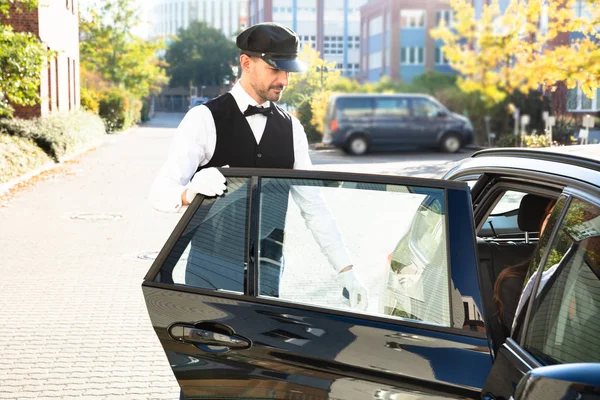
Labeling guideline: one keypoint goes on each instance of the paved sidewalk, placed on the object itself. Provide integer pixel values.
(74, 322)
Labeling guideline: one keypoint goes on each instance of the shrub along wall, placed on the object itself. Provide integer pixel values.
(28, 144)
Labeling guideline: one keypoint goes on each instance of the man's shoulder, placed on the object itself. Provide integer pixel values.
(286, 113)
(219, 100)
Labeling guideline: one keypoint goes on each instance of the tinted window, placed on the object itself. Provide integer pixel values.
(424, 108)
(211, 252)
(395, 236)
(565, 325)
(391, 107)
(357, 106)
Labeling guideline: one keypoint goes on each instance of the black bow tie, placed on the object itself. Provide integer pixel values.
(251, 110)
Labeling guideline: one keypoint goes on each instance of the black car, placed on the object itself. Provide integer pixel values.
(358, 123)
(246, 304)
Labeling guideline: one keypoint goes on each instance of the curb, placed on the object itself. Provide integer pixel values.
(5, 187)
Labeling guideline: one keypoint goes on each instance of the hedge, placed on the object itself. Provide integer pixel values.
(57, 135)
(119, 109)
(18, 156)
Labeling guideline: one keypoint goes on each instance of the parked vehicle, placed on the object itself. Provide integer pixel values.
(198, 101)
(358, 123)
(430, 252)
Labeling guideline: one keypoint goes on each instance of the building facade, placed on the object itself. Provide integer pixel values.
(59, 81)
(166, 17)
(396, 38)
(331, 27)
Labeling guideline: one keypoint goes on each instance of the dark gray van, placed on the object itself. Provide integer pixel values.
(358, 123)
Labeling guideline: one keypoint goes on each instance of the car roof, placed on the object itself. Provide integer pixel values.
(577, 166)
(350, 95)
(587, 156)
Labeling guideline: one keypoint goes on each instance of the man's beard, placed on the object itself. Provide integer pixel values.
(267, 94)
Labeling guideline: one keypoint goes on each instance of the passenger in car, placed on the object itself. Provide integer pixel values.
(509, 284)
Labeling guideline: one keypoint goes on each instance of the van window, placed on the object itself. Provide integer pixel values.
(424, 108)
(352, 107)
(391, 106)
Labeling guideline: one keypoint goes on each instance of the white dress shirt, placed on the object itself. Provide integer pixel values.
(194, 145)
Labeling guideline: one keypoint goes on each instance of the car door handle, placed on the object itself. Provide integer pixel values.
(203, 336)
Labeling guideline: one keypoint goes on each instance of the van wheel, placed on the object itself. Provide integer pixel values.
(450, 143)
(357, 145)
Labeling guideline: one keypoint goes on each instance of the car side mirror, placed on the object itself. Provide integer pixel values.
(442, 113)
(566, 381)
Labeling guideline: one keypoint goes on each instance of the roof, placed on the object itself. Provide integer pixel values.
(587, 156)
(576, 166)
(380, 95)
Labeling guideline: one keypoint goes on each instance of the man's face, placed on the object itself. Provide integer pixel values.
(268, 82)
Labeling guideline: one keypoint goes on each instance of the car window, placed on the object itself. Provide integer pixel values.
(395, 237)
(391, 107)
(503, 220)
(352, 107)
(510, 201)
(565, 324)
(211, 252)
(424, 108)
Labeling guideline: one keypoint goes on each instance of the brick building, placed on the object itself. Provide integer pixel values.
(56, 24)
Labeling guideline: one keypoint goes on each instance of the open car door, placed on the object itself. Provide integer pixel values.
(247, 301)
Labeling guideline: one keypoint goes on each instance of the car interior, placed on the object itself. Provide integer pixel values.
(507, 237)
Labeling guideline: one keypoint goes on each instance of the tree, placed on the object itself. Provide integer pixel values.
(320, 76)
(22, 57)
(200, 55)
(110, 50)
(518, 50)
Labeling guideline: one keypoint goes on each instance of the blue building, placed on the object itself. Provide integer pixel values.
(331, 27)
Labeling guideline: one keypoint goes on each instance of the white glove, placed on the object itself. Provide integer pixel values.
(209, 182)
(359, 295)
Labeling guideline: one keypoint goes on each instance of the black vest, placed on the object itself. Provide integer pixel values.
(236, 145)
(217, 256)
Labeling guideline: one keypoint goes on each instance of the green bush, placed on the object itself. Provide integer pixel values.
(59, 134)
(145, 114)
(18, 156)
(119, 109)
(114, 109)
(564, 130)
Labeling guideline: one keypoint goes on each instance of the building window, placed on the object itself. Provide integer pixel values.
(578, 101)
(375, 60)
(412, 55)
(444, 15)
(375, 26)
(440, 58)
(581, 9)
(412, 19)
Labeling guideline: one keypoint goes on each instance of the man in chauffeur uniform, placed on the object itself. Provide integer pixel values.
(244, 128)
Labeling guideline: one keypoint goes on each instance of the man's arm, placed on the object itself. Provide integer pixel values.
(323, 226)
(192, 145)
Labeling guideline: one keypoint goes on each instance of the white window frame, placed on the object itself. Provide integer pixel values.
(411, 16)
(415, 50)
(442, 58)
(580, 95)
(442, 17)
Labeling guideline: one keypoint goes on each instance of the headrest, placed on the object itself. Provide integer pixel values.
(532, 212)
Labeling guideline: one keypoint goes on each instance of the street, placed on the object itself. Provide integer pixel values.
(75, 250)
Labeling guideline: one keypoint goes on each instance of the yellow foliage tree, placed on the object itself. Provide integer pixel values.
(499, 53)
(319, 76)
